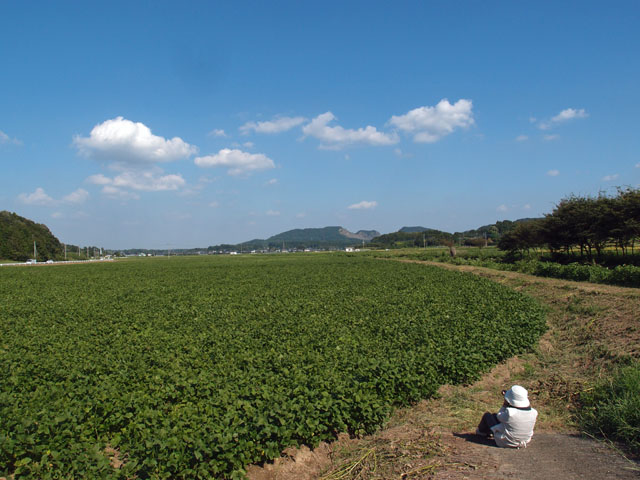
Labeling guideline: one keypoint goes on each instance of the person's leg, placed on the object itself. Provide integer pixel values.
(488, 420)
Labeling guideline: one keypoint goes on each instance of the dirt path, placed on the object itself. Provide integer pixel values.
(589, 327)
(549, 456)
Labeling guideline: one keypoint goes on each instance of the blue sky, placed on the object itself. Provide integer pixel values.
(184, 124)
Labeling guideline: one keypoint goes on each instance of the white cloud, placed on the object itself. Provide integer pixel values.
(610, 178)
(247, 144)
(4, 139)
(239, 162)
(564, 116)
(38, 197)
(214, 204)
(124, 142)
(217, 132)
(273, 181)
(550, 138)
(148, 181)
(364, 205)
(533, 119)
(638, 165)
(553, 173)
(190, 190)
(98, 179)
(400, 154)
(522, 138)
(77, 197)
(569, 114)
(277, 125)
(430, 124)
(502, 208)
(526, 207)
(57, 215)
(272, 213)
(301, 215)
(114, 192)
(338, 137)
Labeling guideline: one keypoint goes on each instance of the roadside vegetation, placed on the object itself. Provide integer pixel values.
(541, 265)
(612, 408)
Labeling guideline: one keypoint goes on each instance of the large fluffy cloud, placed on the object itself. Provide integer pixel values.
(338, 137)
(430, 124)
(125, 142)
(277, 125)
(237, 161)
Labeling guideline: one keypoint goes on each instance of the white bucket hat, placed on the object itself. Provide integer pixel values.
(517, 397)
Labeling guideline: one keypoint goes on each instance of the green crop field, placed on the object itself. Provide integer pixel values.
(196, 367)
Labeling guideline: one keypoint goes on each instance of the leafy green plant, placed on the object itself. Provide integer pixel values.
(197, 367)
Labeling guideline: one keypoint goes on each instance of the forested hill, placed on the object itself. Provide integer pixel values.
(320, 237)
(17, 235)
(334, 235)
(327, 237)
(421, 236)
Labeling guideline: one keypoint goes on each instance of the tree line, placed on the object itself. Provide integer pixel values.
(409, 237)
(581, 225)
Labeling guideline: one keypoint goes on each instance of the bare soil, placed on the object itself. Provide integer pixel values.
(591, 327)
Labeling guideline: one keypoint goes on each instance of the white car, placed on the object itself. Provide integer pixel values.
(49, 261)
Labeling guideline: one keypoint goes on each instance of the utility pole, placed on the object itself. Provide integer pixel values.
(35, 252)
(65, 252)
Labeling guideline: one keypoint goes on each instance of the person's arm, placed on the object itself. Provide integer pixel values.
(503, 414)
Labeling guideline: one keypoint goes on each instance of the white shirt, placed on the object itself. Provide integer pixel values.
(515, 428)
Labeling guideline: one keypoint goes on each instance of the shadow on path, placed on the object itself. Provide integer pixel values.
(473, 438)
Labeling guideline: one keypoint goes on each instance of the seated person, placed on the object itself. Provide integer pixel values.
(513, 425)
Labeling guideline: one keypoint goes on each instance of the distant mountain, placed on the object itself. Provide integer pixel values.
(417, 229)
(17, 235)
(321, 237)
(327, 237)
(366, 235)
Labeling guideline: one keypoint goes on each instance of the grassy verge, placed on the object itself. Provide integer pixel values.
(612, 408)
